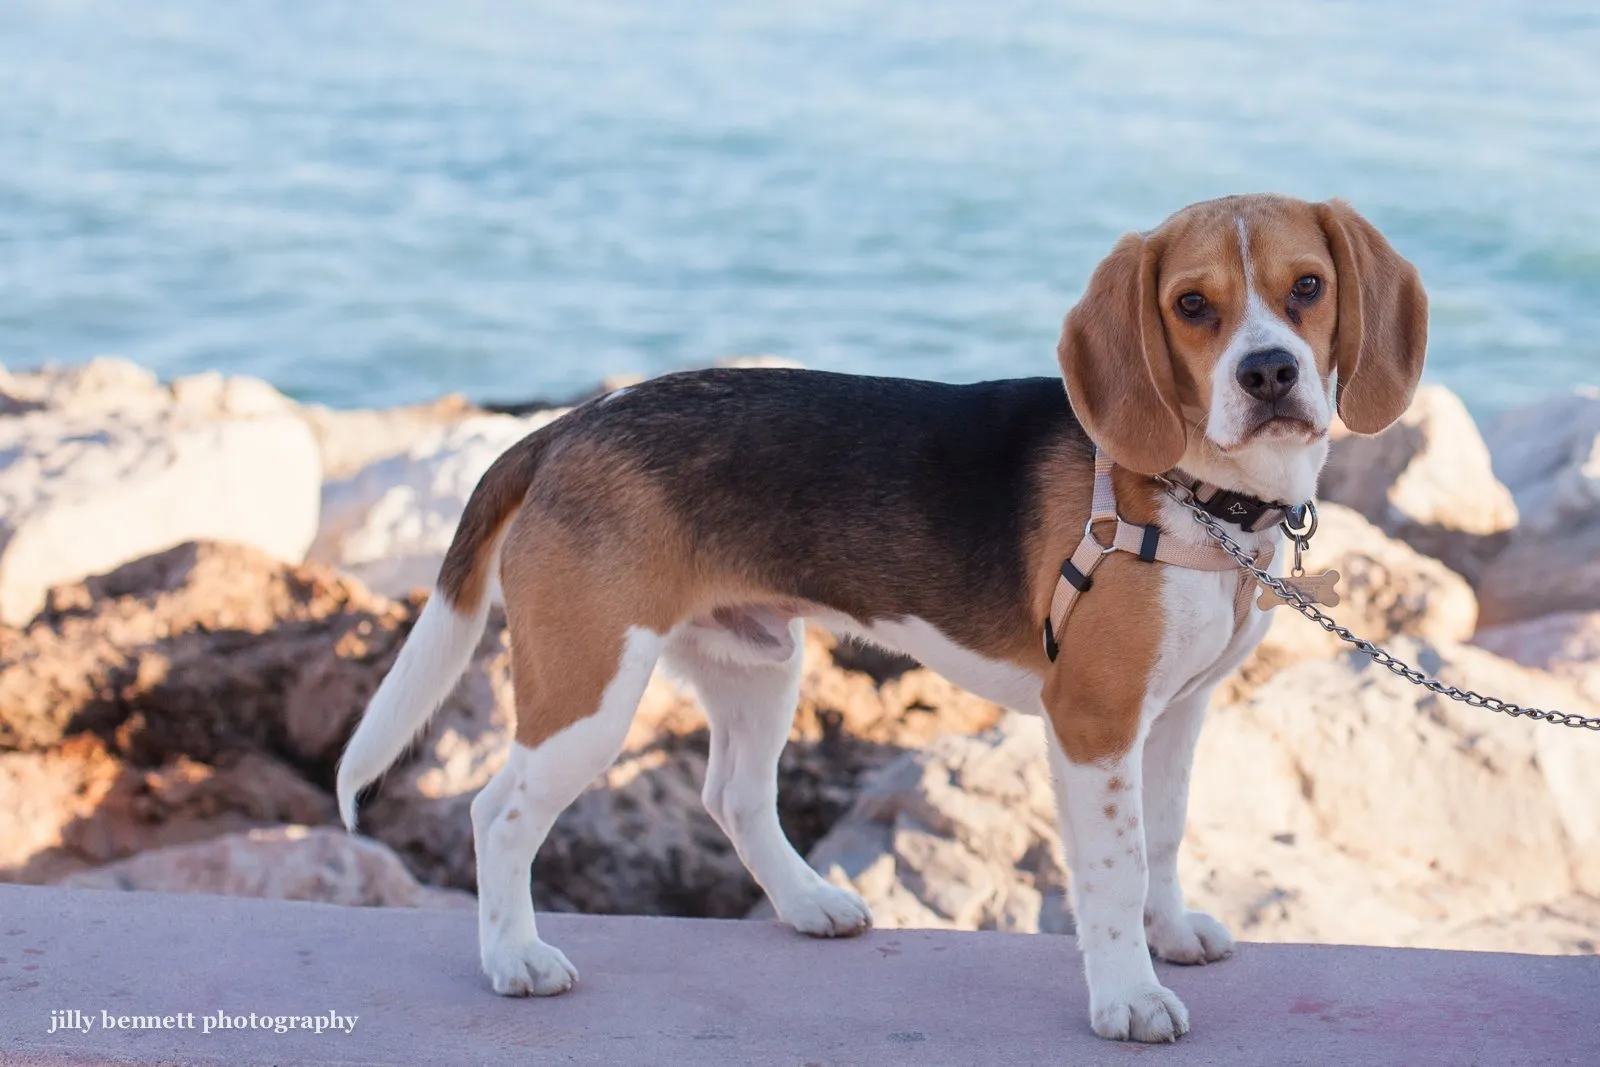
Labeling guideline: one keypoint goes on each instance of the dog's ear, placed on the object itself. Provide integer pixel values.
(1117, 366)
(1382, 333)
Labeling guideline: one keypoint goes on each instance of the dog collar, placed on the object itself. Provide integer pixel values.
(1246, 512)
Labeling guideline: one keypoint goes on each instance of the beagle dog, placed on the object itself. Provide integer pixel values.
(699, 519)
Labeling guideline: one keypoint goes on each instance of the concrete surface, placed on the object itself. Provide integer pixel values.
(687, 992)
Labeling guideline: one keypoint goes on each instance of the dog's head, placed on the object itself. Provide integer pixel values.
(1212, 342)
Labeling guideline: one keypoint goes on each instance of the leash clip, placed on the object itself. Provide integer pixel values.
(1300, 523)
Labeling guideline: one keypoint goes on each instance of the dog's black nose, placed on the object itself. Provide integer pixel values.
(1268, 374)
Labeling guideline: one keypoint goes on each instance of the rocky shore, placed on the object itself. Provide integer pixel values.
(201, 582)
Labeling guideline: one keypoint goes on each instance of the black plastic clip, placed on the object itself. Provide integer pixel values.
(1147, 547)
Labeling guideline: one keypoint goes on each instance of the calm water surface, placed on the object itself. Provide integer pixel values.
(369, 203)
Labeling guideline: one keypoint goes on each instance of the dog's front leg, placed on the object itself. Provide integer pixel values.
(1175, 933)
(1100, 799)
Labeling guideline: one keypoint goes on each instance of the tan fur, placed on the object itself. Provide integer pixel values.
(464, 575)
(1383, 321)
(1094, 692)
(581, 579)
(584, 575)
(1118, 369)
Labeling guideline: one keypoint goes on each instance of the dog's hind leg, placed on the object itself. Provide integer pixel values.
(514, 813)
(750, 705)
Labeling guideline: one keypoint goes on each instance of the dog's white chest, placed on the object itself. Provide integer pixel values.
(1200, 643)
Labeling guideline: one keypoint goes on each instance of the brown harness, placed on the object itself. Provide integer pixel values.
(1149, 544)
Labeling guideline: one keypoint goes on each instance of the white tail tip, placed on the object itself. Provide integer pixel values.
(434, 656)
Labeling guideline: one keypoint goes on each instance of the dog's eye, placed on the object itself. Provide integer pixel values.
(1192, 305)
(1307, 287)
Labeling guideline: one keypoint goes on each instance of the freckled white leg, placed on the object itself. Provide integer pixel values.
(1103, 833)
(1174, 932)
(750, 706)
(514, 813)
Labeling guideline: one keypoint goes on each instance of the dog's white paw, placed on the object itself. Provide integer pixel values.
(1147, 1011)
(1188, 937)
(828, 911)
(529, 969)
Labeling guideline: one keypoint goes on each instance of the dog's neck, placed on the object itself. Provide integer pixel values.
(1251, 514)
(1273, 474)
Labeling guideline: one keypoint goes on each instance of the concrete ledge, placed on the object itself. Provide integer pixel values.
(684, 992)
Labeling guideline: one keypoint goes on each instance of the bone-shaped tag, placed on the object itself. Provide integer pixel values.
(1317, 588)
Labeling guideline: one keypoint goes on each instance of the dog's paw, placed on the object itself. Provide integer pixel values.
(828, 911)
(1189, 937)
(1148, 1011)
(529, 969)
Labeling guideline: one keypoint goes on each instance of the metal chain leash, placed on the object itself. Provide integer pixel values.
(1308, 608)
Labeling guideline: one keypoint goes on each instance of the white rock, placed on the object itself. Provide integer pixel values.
(1543, 573)
(237, 395)
(759, 361)
(1548, 454)
(352, 438)
(1566, 927)
(391, 522)
(1568, 646)
(1565, 644)
(959, 835)
(1427, 480)
(1390, 796)
(102, 384)
(113, 384)
(85, 490)
(281, 863)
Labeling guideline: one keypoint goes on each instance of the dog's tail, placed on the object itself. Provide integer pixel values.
(440, 645)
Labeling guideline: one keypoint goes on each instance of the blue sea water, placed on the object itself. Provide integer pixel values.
(376, 202)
